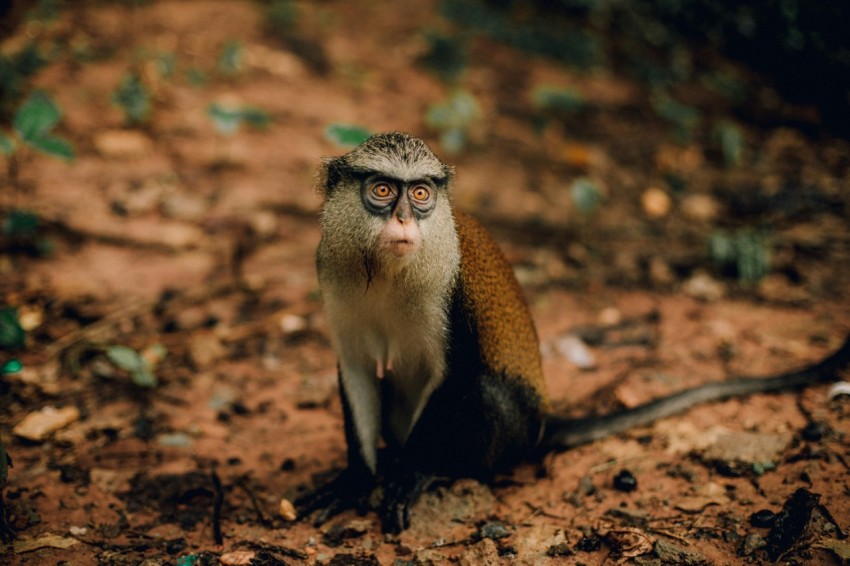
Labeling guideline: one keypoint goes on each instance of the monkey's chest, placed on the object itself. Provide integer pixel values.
(400, 345)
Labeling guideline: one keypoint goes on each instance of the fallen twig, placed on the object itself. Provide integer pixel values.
(218, 502)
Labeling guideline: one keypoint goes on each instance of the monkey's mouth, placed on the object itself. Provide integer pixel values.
(402, 247)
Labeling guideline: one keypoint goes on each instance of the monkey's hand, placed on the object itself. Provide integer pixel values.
(349, 490)
(401, 491)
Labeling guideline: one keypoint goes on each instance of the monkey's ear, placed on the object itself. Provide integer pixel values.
(448, 174)
(327, 175)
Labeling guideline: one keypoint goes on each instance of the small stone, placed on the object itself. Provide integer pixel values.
(609, 316)
(494, 530)
(287, 511)
(316, 391)
(237, 558)
(700, 207)
(123, 144)
(670, 553)
(30, 318)
(175, 440)
(110, 481)
(484, 553)
(575, 350)
(292, 323)
(78, 531)
(205, 348)
(763, 518)
(777, 288)
(185, 207)
(191, 318)
(625, 481)
(752, 543)
(141, 200)
(748, 447)
(704, 287)
(655, 202)
(264, 223)
(814, 431)
(660, 272)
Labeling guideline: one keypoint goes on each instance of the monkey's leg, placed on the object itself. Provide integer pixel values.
(351, 488)
(472, 426)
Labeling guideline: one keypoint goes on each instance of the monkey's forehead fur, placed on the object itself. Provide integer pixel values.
(392, 154)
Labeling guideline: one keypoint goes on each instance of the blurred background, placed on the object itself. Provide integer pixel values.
(158, 216)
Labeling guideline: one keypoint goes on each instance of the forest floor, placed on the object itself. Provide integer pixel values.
(174, 237)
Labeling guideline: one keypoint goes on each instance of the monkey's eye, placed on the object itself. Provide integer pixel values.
(382, 191)
(421, 194)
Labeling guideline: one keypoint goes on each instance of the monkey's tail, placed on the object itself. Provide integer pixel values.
(563, 433)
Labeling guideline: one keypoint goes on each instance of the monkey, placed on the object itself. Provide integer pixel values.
(438, 355)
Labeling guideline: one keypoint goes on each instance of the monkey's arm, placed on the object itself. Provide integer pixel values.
(563, 433)
(352, 487)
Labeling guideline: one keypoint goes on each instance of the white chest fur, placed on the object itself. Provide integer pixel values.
(381, 333)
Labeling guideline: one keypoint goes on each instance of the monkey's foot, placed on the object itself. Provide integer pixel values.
(400, 493)
(349, 490)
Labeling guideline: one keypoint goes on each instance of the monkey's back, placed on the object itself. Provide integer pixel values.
(494, 300)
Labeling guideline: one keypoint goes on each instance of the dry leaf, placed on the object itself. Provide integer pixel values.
(629, 541)
(839, 547)
(23, 545)
(39, 425)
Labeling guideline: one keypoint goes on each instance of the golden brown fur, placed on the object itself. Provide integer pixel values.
(506, 331)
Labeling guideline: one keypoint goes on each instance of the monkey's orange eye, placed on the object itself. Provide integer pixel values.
(421, 193)
(382, 190)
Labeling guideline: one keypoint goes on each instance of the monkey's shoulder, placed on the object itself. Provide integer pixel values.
(494, 305)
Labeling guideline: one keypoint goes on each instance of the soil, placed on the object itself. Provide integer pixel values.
(173, 234)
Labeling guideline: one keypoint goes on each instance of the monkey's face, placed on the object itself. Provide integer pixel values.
(387, 202)
(402, 206)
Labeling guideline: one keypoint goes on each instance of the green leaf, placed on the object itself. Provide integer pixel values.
(133, 98)
(7, 145)
(453, 140)
(11, 333)
(347, 135)
(563, 100)
(232, 58)
(731, 140)
(226, 120)
(747, 251)
(684, 118)
(586, 195)
(281, 17)
(255, 117)
(126, 358)
(452, 119)
(36, 116)
(144, 377)
(753, 259)
(20, 224)
(196, 77)
(51, 145)
(12, 366)
(188, 560)
(459, 111)
(165, 63)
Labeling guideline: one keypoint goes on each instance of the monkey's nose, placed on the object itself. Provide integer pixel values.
(403, 211)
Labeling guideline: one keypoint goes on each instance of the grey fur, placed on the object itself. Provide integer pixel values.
(395, 154)
(385, 310)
